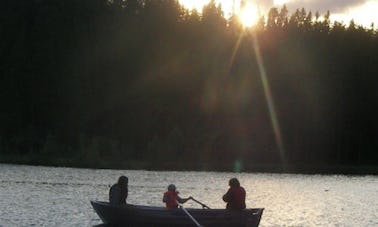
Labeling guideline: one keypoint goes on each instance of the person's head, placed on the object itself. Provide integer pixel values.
(234, 182)
(172, 188)
(123, 181)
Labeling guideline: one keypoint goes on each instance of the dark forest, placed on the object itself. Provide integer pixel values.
(147, 84)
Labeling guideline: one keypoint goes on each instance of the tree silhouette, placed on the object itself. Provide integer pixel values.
(149, 84)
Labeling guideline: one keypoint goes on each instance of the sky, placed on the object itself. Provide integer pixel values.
(364, 12)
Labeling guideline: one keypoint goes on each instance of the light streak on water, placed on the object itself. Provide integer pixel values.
(50, 196)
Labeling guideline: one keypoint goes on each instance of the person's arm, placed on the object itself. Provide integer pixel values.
(165, 198)
(227, 196)
(114, 195)
(124, 195)
(183, 200)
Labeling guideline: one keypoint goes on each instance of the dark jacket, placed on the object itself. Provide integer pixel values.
(118, 195)
(235, 198)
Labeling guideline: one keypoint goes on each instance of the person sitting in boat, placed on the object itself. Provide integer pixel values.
(171, 197)
(119, 191)
(235, 196)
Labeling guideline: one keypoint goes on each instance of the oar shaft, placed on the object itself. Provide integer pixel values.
(191, 217)
(200, 203)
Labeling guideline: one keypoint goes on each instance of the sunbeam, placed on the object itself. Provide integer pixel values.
(267, 92)
(269, 100)
(234, 51)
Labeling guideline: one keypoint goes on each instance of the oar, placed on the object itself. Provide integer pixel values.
(203, 205)
(190, 216)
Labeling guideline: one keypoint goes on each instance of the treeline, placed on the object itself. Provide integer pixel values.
(149, 84)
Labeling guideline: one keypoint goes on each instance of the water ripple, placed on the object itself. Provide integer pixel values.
(46, 196)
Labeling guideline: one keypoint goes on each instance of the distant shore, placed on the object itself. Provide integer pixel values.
(175, 166)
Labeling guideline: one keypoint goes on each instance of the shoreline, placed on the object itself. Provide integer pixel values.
(213, 167)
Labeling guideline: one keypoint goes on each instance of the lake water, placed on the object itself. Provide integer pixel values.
(46, 196)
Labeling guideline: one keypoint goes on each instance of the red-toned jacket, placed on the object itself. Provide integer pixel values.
(170, 198)
(235, 198)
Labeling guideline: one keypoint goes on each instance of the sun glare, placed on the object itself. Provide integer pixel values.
(248, 16)
(280, 2)
(194, 4)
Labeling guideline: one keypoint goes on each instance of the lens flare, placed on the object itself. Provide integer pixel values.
(280, 2)
(270, 101)
(248, 16)
(238, 166)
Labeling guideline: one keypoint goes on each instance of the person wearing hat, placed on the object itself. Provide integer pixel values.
(171, 197)
(119, 191)
(235, 196)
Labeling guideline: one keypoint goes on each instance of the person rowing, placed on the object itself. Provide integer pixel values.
(171, 197)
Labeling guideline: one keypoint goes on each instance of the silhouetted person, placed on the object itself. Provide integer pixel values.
(171, 197)
(119, 191)
(235, 196)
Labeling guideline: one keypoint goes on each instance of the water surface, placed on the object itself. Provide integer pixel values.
(47, 196)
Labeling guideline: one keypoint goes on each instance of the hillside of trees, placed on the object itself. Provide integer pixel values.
(147, 84)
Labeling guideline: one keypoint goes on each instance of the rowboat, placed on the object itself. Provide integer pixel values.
(138, 215)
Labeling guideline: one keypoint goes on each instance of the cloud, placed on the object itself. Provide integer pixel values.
(263, 4)
(361, 11)
(334, 6)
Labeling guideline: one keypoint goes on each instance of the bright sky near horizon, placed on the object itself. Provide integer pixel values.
(363, 12)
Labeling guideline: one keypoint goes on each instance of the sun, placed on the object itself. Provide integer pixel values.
(248, 15)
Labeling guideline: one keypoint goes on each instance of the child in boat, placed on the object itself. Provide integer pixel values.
(171, 197)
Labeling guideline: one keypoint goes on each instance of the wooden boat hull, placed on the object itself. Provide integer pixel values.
(136, 215)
